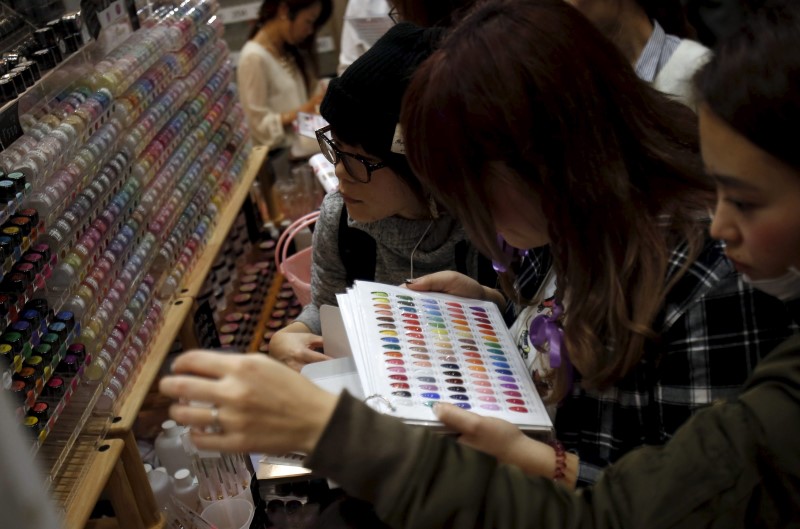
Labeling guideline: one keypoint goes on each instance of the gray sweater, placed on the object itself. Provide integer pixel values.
(395, 238)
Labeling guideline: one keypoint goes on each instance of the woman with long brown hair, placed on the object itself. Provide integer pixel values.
(552, 139)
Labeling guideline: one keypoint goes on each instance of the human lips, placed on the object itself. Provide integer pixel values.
(741, 267)
(349, 200)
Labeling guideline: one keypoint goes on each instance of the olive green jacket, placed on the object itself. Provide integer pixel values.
(735, 464)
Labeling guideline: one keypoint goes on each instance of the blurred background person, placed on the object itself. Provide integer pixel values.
(354, 42)
(276, 72)
(653, 36)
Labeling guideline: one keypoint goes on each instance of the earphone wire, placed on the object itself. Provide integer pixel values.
(414, 251)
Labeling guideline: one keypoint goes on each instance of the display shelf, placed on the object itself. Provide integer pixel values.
(193, 283)
(266, 311)
(126, 465)
(104, 461)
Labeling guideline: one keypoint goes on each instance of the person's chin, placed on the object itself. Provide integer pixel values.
(357, 212)
(749, 271)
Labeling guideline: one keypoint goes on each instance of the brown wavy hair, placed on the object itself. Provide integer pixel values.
(530, 96)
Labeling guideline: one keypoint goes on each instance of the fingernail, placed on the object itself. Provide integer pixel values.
(436, 408)
(410, 281)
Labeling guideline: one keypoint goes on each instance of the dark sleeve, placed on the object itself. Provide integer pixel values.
(731, 465)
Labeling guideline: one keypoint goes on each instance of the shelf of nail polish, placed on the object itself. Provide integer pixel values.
(104, 141)
(23, 350)
(74, 112)
(229, 163)
(145, 207)
(130, 166)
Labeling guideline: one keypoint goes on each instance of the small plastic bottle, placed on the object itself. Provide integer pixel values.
(169, 447)
(185, 489)
(161, 484)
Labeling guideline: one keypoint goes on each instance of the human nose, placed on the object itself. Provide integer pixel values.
(723, 226)
(342, 174)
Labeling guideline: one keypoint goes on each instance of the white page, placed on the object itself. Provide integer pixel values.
(335, 375)
(334, 335)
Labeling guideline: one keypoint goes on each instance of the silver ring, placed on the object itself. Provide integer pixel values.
(215, 427)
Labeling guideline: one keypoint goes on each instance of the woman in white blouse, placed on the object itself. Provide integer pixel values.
(274, 73)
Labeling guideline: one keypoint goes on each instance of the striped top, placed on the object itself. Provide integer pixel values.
(656, 53)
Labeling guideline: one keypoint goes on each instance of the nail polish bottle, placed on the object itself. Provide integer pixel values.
(55, 388)
(68, 366)
(44, 351)
(24, 329)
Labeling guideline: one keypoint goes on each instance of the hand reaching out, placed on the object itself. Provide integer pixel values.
(262, 405)
(500, 439)
(296, 346)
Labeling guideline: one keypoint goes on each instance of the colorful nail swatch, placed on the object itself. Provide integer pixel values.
(444, 349)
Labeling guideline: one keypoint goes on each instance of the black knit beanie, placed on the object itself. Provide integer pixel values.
(363, 105)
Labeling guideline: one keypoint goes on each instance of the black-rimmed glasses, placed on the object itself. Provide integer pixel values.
(360, 172)
(394, 15)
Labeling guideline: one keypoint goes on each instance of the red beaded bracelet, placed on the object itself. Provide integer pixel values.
(561, 460)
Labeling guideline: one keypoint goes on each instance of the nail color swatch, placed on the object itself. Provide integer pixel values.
(439, 348)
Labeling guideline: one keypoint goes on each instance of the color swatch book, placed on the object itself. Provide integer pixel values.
(414, 349)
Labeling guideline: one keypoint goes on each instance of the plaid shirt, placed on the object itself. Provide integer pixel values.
(714, 328)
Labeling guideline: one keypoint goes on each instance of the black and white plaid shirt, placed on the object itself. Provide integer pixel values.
(714, 328)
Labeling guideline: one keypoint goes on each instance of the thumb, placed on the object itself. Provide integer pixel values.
(314, 341)
(454, 418)
(429, 283)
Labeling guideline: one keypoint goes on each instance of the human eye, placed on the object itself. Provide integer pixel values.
(744, 206)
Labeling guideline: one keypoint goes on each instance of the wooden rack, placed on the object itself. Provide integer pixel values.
(118, 469)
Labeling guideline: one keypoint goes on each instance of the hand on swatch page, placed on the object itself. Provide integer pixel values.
(457, 284)
(498, 438)
(295, 348)
(261, 405)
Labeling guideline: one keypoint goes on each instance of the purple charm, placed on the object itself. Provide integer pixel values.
(545, 329)
(509, 251)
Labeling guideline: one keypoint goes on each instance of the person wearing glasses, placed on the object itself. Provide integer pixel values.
(380, 225)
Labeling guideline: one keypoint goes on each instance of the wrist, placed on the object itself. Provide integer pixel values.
(287, 118)
(321, 408)
(564, 467)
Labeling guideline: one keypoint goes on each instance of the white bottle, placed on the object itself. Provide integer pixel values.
(161, 484)
(169, 447)
(185, 489)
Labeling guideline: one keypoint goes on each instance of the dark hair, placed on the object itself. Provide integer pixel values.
(670, 14)
(428, 13)
(363, 104)
(529, 95)
(305, 53)
(753, 81)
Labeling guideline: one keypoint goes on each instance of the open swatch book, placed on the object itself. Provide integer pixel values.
(413, 349)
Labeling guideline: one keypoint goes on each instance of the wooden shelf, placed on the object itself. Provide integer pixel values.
(193, 283)
(266, 312)
(103, 464)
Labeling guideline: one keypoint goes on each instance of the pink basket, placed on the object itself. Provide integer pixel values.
(297, 267)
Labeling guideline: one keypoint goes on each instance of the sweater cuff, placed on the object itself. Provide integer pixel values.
(353, 449)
